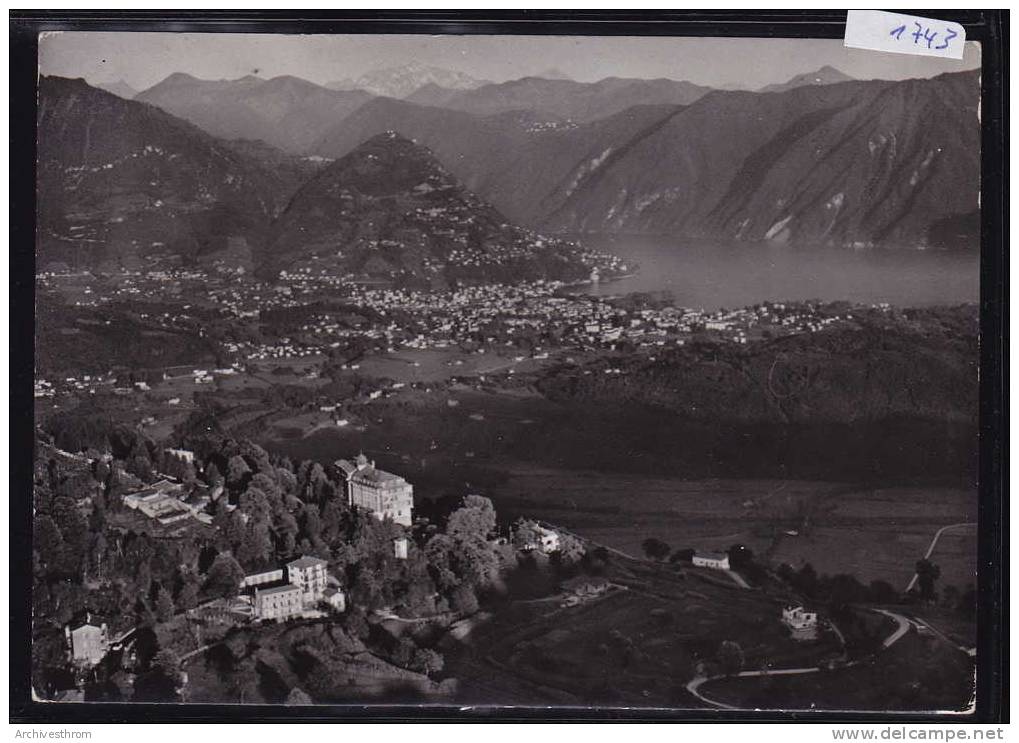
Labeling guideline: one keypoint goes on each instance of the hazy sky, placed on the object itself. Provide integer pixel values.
(143, 59)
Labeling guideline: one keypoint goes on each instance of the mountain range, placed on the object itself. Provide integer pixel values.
(859, 162)
(294, 114)
(568, 99)
(121, 181)
(843, 163)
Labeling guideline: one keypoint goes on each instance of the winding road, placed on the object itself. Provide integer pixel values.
(902, 625)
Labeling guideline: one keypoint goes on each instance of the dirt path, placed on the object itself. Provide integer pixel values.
(737, 579)
(933, 544)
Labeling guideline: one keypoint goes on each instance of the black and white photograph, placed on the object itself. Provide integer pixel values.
(529, 371)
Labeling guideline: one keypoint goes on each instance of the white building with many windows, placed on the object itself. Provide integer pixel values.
(298, 587)
(382, 493)
(309, 574)
(279, 602)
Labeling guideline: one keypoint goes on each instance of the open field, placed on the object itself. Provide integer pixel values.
(955, 626)
(636, 645)
(437, 365)
(918, 673)
(873, 534)
(460, 438)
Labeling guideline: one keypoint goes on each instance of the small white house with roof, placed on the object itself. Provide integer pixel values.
(802, 623)
(713, 560)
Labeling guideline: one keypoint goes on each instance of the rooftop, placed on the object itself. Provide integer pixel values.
(376, 476)
(306, 561)
(711, 555)
(278, 589)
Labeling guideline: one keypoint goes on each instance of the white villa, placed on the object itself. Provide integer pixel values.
(547, 540)
(713, 560)
(802, 623)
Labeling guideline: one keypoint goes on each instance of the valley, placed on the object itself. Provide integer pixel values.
(563, 392)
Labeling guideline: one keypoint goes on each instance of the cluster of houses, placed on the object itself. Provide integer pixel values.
(303, 584)
(493, 314)
(497, 314)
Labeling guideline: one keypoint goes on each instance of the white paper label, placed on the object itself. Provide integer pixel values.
(904, 34)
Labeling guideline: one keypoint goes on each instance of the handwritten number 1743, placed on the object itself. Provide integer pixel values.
(925, 34)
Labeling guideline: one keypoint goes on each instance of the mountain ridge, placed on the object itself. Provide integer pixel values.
(285, 111)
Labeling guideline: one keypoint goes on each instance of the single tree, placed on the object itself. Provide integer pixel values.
(237, 472)
(926, 573)
(656, 549)
(475, 518)
(740, 556)
(730, 657)
(225, 576)
(298, 697)
(427, 661)
(188, 596)
(164, 605)
(463, 600)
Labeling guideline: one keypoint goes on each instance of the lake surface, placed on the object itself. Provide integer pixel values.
(713, 274)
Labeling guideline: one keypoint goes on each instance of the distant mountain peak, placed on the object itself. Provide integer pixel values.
(390, 210)
(401, 81)
(118, 88)
(826, 75)
(178, 77)
(390, 163)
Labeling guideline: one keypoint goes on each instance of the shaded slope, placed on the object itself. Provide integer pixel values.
(850, 163)
(118, 179)
(389, 210)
